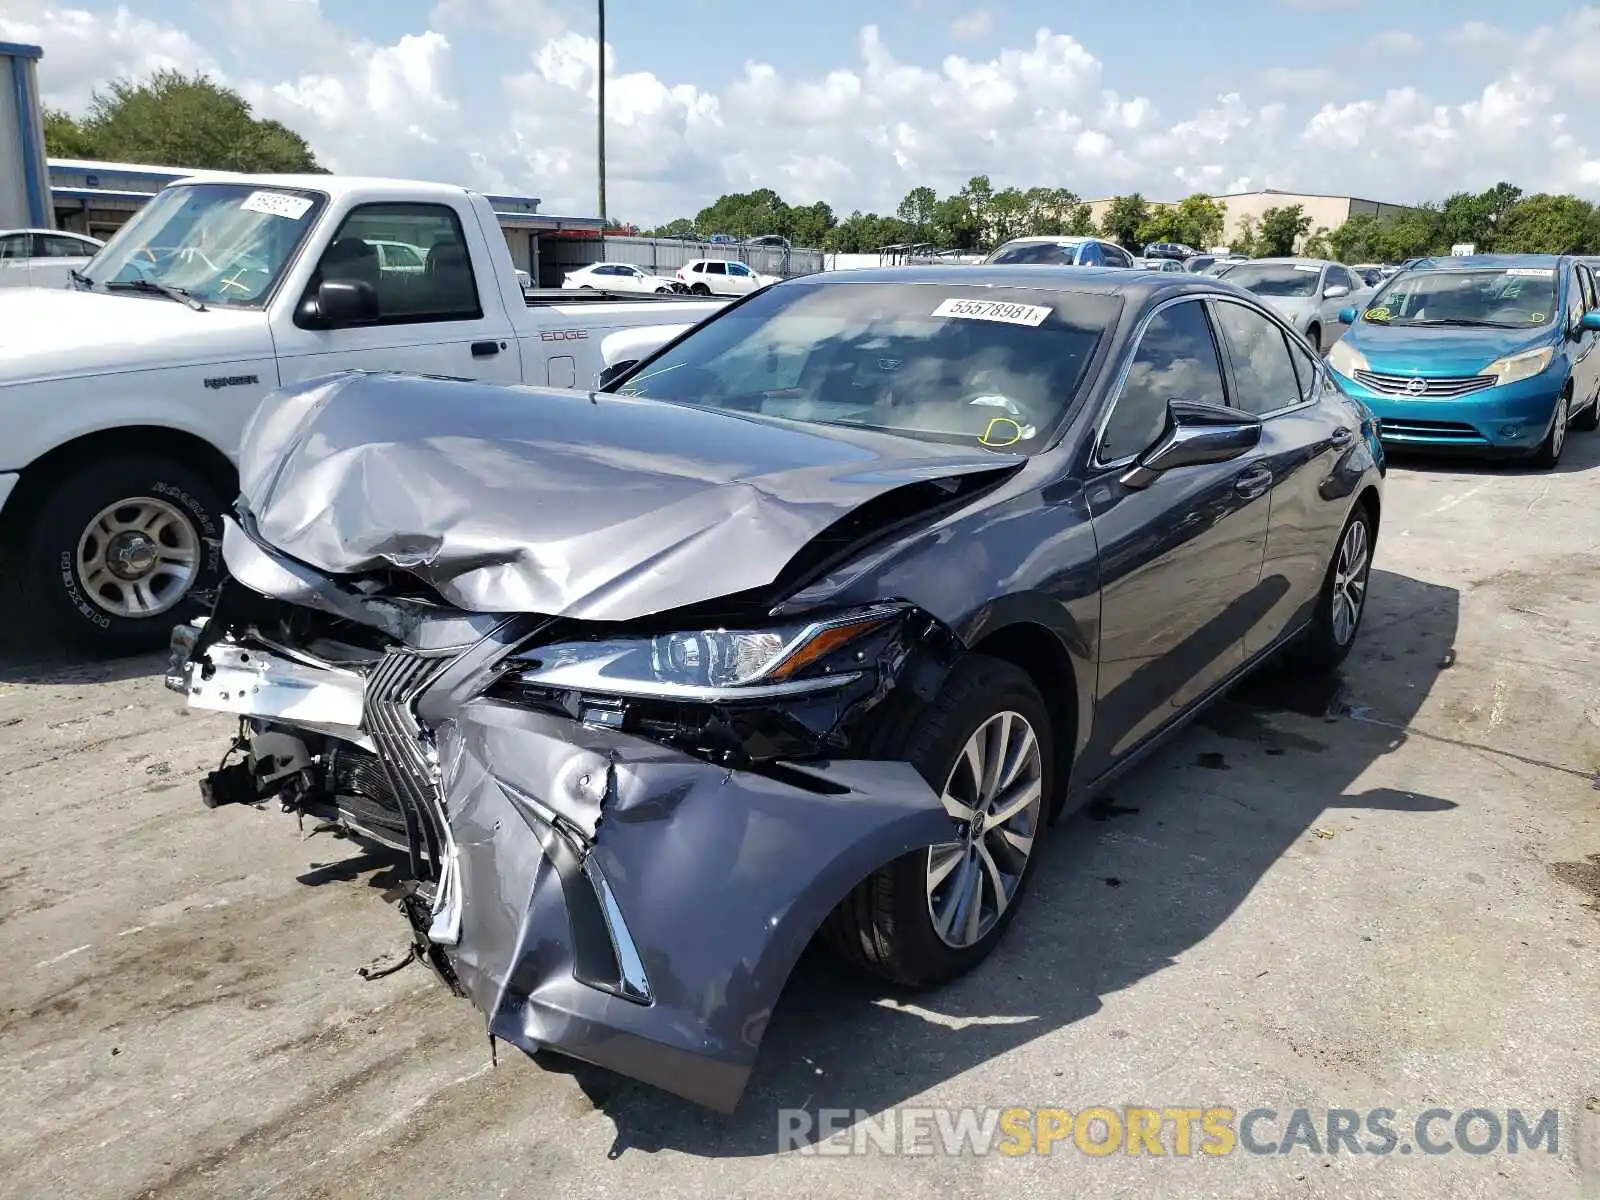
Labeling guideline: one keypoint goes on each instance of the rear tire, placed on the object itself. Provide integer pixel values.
(121, 551)
(887, 924)
(700, 289)
(1342, 601)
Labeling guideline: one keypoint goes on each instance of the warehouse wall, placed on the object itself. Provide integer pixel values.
(24, 179)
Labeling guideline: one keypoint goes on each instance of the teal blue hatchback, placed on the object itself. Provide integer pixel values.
(1494, 354)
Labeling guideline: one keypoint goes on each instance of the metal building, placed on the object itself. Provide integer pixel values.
(24, 178)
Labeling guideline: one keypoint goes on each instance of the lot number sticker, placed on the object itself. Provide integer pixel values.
(993, 310)
(1531, 272)
(276, 204)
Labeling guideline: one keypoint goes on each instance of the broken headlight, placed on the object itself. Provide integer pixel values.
(708, 665)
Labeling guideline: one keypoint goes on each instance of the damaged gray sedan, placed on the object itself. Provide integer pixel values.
(807, 624)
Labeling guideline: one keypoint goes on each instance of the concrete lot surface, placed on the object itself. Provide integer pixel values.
(1382, 898)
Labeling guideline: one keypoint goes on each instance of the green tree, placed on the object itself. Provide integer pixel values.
(1546, 224)
(181, 120)
(1414, 232)
(1281, 230)
(1199, 220)
(65, 138)
(1126, 216)
(808, 225)
(1161, 224)
(1008, 215)
(1319, 244)
(1244, 241)
(1080, 220)
(956, 225)
(674, 228)
(919, 210)
(1359, 239)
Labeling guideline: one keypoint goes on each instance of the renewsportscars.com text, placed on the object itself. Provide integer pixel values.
(1178, 1131)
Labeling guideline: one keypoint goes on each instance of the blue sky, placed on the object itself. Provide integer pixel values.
(855, 103)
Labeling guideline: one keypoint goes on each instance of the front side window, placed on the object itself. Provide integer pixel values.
(14, 246)
(1497, 297)
(1176, 360)
(986, 366)
(1263, 373)
(738, 269)
(1282, 280)
(444, 290)
(219, 243)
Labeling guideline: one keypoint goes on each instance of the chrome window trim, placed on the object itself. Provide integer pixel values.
(1126, 368)
(1319, 364)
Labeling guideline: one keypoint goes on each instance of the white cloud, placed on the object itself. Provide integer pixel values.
(858, 135)
(84, 51)
(971, 25)
(1479, 35)
(1298, 79)
(1395, 41)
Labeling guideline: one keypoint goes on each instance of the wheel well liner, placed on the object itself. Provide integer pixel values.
(186, 448)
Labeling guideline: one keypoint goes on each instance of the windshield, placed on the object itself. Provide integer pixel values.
(1504, 297)
(1038, 253)
(1277, 279)
(219, 243)
(953, 362)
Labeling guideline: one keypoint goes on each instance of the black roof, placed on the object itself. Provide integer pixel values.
(1098, 280)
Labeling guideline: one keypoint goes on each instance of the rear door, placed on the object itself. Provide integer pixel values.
(55, 257)
(1584, 344)
(1180, 559)
(1302, 438)
(447, 319)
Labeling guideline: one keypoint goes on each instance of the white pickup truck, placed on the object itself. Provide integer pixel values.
(123, 395)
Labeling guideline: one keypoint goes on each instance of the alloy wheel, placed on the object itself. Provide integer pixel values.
(994, 794)
(138, 557)
(1558, 431)
(1350, 582)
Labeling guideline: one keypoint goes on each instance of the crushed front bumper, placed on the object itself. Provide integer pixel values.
(602, 895)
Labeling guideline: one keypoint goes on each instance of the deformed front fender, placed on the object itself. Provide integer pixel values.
(641, 909)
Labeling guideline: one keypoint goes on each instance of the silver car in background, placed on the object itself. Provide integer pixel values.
(1306, 292)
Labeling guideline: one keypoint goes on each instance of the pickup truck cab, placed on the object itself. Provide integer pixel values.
(123, 395)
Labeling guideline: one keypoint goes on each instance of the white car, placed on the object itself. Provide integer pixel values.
(124, 392)
(616, 277)
(1306, 292)
(399, 256)
(42, 257)
(721, 277)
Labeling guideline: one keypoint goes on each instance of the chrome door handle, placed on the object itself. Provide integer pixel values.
(1253, 482)
(1340, 436)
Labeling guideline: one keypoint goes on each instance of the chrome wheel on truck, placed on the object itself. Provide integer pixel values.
(118, 552)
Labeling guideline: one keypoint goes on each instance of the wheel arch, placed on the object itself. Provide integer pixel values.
(35, 480)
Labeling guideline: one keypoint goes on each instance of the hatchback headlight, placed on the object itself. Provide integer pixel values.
(706, 665)
(1516, 367)
(1346, 359)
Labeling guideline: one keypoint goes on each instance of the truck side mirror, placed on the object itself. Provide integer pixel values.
(338, 303)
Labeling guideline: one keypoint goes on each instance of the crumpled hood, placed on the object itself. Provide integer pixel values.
(54, 333)
(591, 506)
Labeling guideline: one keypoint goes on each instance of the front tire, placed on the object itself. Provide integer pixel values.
(122, 551)
(1343, 599)
(1314, 336)
(985, 743)
(1548, 455)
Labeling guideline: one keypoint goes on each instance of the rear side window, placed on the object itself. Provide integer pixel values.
(14, 245)
(1263, 373)
(1176, 359)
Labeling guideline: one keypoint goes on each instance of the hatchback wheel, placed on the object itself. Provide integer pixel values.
(1548, 454)
(985, 744)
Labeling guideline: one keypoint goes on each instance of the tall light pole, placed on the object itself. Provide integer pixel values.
(601, 156)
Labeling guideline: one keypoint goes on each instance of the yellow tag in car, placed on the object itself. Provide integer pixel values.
(1377, 314)
(1536, 318)
(1002, 431)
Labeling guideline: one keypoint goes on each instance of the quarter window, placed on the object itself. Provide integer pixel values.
(1176, 360)
(444, 290)
(1263, 373)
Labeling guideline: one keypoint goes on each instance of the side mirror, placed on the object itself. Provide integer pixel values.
(1347, 316)
(338, 303)
(1196, 434)
(616, 371)
(1591, 320)
(1335, 290)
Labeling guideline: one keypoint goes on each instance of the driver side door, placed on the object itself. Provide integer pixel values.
(1181, 557)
